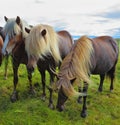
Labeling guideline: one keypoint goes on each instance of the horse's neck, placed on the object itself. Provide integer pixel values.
(2, 35)
(19, 47)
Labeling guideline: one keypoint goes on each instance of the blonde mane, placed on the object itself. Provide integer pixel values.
(37, 45)
(76, 64)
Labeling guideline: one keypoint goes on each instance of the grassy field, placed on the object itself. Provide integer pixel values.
(103, 108)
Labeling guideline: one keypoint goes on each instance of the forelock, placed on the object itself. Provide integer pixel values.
(11, 28)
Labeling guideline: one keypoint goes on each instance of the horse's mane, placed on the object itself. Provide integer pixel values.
(1, 33)
(12, 28)
(37, 45)
(76, 64)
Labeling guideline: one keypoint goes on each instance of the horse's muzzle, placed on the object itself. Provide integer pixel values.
(60, 108)
(30, 69)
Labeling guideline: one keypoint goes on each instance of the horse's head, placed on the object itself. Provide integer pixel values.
(13, 31)
(35, 45)
(62, 97)
(41, 41)
(65, 90)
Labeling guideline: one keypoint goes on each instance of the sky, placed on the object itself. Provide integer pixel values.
(79, 17)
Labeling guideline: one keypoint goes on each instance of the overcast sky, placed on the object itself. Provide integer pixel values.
(79, 17)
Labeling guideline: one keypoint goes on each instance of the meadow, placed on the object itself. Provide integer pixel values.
(103, 108)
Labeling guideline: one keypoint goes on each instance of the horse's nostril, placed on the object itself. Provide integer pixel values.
(60, 108)
(6, 53)
(30, 69)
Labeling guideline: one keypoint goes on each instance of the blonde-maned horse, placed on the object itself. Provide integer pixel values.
(44, 40)
(88, 56)
(15, 34)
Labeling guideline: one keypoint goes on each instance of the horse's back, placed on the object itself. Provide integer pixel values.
(106, 43)
(65, 42)
(105, 53)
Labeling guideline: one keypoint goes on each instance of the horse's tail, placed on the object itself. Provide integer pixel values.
(111, 73)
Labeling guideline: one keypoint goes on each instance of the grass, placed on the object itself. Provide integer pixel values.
(103, 108)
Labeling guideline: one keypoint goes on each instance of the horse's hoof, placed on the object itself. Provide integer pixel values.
(83, 114)
(111, 90)
(51, 106)
(14, 98)
(43, 98)
(5, 78)
(79, 100)
(60, 108)
(99, 90)
(32, 91)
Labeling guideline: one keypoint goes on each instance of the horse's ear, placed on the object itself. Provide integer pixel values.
(43, 32)
(18, 20)
(6, 19)
(27, 30)
(53, 71)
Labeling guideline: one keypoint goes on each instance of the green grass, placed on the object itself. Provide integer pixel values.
(103, 108)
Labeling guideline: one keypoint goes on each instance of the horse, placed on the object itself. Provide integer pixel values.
(43, 39)
(13, 31)
(6, 58)
(44, 42)
(88, 56)
(42, 65)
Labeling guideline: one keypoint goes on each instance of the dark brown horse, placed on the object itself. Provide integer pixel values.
(16, 39)
(88, 56)
(42, 41)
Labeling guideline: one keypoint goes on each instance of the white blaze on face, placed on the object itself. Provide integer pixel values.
(5, 44)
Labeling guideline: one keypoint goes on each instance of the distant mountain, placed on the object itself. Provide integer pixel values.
(77, 37)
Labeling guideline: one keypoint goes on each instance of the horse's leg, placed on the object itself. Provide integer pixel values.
(6, 66)
(84, 108)
(112, 76)
(50, 90)
(79, 100)
(14, 96)
(43, 85)
(31, 89)
(102, 77)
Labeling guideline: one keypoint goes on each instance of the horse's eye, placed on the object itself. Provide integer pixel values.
(14, 34)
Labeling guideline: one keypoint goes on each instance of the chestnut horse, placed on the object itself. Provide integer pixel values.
(88, 56)
(1, 45)
(6, 58)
